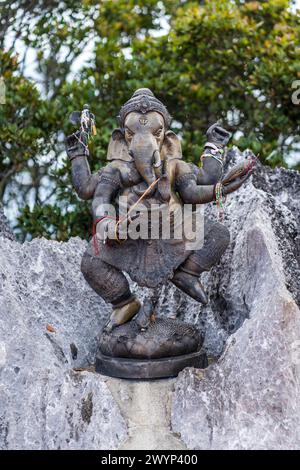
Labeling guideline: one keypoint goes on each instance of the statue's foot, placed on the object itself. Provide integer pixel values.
(191, 285)
(123, 314)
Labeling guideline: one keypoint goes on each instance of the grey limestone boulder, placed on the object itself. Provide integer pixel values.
(250, 397)
(49, 319)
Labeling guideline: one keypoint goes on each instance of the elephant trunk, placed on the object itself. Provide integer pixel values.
(147, 157)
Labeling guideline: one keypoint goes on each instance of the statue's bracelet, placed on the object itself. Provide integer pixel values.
(218, 191)
(214, 148)
(212, 151)
(210, 155)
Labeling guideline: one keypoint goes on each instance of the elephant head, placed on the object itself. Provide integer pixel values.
(144, 136)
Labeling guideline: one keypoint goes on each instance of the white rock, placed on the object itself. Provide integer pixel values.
(250, 398)
(44, 403)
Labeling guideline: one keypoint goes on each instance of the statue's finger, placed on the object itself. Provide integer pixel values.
(236, 184)
(211, 128)
(218, 134)
(220, 130)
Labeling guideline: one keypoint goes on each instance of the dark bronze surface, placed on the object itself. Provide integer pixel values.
(164, 337)
(148, 369)
(145, 161)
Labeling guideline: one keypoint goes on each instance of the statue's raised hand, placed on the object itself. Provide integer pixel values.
(235, 184)
(76, 145)
(217, 135)
(238, 174)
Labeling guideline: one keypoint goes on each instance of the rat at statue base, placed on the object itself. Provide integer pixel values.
(162, 349)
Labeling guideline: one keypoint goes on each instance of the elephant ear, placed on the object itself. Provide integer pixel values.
(117, 148)
(171, 147)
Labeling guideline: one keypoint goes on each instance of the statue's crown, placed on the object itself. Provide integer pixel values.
(143, 101)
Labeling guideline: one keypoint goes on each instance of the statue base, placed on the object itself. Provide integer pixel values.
(124, 368)
(162, 349)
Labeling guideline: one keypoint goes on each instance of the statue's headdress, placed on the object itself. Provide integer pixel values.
(143, 101)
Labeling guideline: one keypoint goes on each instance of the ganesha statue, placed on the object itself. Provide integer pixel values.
(149, 228)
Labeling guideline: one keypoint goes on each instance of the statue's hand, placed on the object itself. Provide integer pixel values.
(217, 135)
(76, 145)
(126, 228)
(235, 184)
(108, 228)
(239, 173)
(115, 230)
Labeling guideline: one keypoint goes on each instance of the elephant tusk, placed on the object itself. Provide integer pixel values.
(157, 160)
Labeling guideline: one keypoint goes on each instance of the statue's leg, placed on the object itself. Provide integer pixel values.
(111, 284)
(186, 277)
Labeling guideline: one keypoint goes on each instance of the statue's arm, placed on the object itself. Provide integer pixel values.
(84, 182)
(188, 188)
(109, 185)
(211, 170)
(193, 193)
(116, 176)
(105, 216)
(212, 157)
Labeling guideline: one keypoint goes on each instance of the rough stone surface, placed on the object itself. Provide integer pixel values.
(146, 407)
(44, 403)
(250, 398)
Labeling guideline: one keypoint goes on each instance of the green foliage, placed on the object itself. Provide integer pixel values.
(229, 60)
(26, 124)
